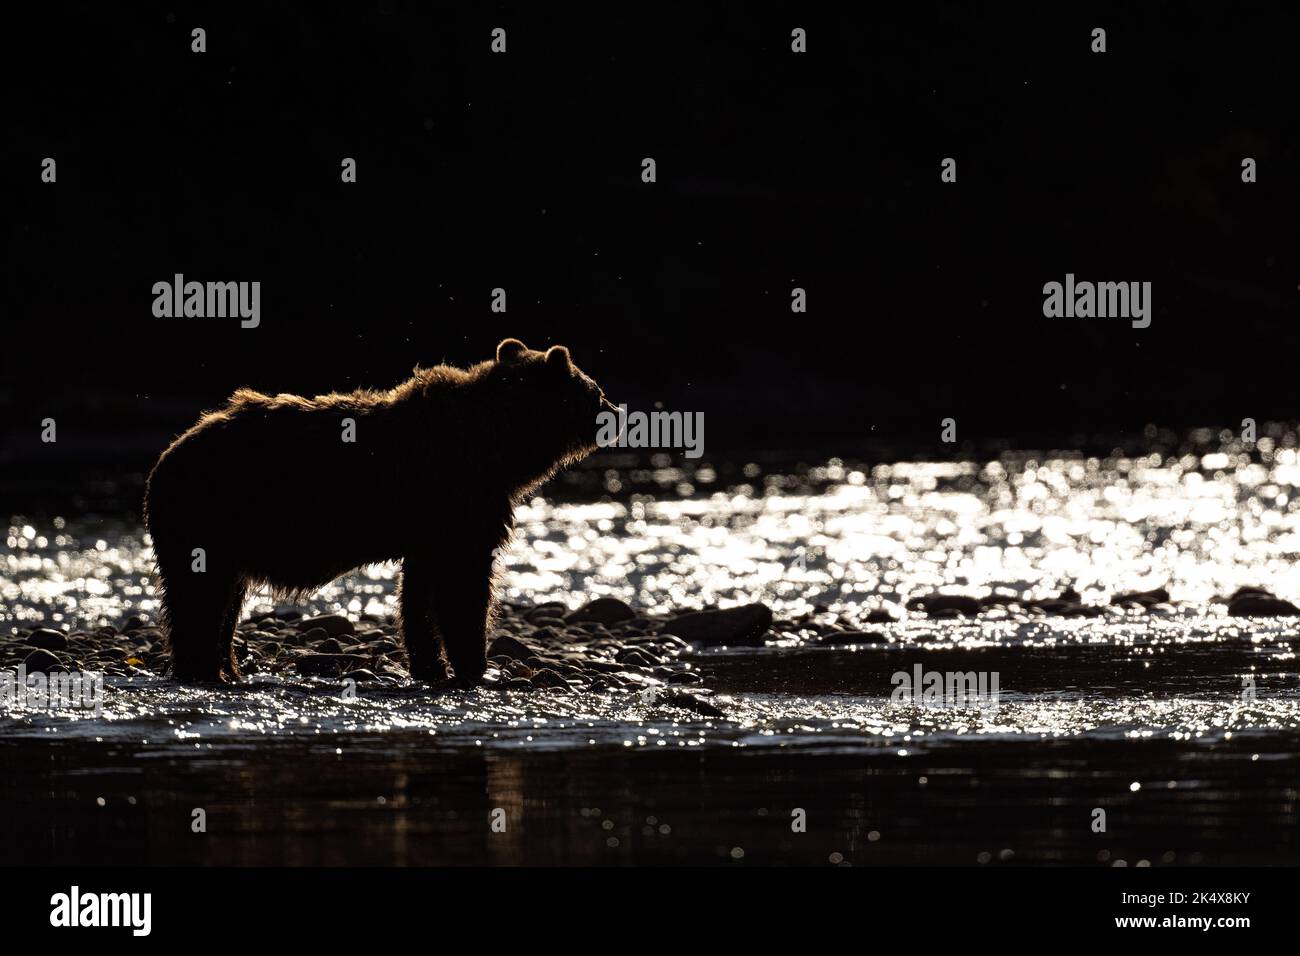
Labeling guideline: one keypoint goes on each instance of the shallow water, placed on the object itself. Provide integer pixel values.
(1138, 712)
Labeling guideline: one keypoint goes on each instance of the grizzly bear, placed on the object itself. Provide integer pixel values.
(291, 492)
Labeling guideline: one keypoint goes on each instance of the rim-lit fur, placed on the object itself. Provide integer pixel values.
(272, 494)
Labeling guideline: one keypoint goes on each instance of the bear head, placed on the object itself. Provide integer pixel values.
(547, 407)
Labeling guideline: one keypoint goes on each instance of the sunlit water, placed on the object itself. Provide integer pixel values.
(836, 539)
(827, 544)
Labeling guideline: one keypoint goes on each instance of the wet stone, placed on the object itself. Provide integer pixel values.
(740, 626)
(332, 624)
(41, 661)
(945, 605)
(509, 646)
(361, 676)
(47, 639)
(1261, 605)
(547, 678)
(550, 611)
(602, 611)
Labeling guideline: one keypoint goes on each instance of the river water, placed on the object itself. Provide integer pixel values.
(1156, 734)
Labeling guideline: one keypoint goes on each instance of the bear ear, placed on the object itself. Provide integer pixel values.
(510, 349)
(558, 357)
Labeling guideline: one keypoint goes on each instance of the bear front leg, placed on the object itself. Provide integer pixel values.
(418, 624)
(200, 607)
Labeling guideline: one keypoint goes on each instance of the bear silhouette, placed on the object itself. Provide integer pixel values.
(274, 495)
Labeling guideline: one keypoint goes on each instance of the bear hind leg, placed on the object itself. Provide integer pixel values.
(418, 625)
(464, 598)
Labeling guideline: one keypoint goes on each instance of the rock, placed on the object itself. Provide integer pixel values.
(682, 677)
(47, 639)
(133, 623)
(680, 698)
(1083, 610)
(878, 615)
(311, 636)
(1249, 605)
(1052, 606)
(637, 658)
(511, 647)
(601, 666)
(330, 645)
(549, 678)
(740, 626)
(41, 661)
(946, 605)
(1146, 598)
(518, 683)
(361, 676)
(547, 635)
(550, 611)
(334, 625)
(853, 637)
(602, 611)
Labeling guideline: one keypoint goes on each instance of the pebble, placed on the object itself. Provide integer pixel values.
(1147, 598)
(47, 640)
(602, 611)
(551, 610)
(738, 626)
(361, 676)
(332, 624)
(604, 646)
(945, 605)
(42, 661)
(510, 647)
(637, 658)
(1244, 605)
(549, 678)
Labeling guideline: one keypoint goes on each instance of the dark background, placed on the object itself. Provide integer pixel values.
(774, 170)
